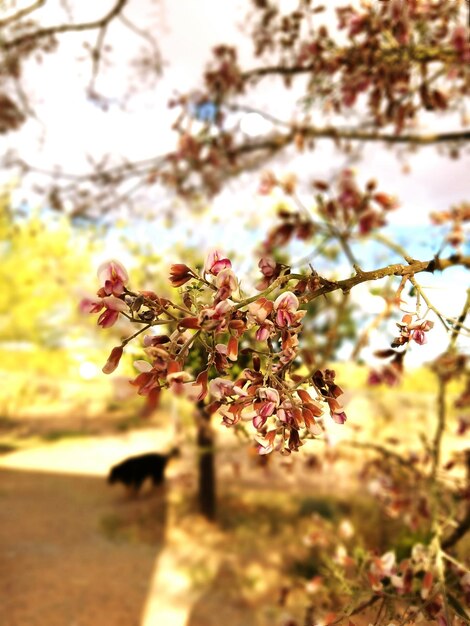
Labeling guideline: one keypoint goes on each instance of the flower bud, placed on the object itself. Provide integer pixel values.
(113, 360)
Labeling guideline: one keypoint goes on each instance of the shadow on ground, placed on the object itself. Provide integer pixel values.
(223, 602)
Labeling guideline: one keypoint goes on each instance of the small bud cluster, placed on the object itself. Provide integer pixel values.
(410, 330)
(458, 217)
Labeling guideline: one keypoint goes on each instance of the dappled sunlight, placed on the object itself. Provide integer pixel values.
(91, 456)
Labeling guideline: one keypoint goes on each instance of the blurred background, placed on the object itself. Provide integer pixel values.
(76, 551)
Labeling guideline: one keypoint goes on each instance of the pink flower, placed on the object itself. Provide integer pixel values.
(412, 330)
(270, 270)
(216, 262)
(91, 305)
(267, 442)
(147, 380)
(143, 366)
(266, 406)
(230, 416)
(384, 566)
(113, 306)
(113, 277)
(290, 344)
(264, 331)
(286, 306)
(259, 310)
(349, 196)
(199, 388)
(419, 337)
(336, 411)
(267, 266)
(356, 24)
(226, 282)
(460, 43)
(176, 381)
(221, 388)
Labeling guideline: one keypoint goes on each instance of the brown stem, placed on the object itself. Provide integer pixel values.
(459, 324)
(206, 463)
(464, 525)
(440, 427)
(277, 141)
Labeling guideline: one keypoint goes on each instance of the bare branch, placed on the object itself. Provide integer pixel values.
(385, 452)
(65, 28)
(144, 35)
(390, 270)
(458, 327)
(22, 13)
(96, 57)
(276, 142)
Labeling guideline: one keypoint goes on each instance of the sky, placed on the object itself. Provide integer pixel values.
(71, 127)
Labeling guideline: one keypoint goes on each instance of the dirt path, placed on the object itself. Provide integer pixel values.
(59, 564)
(76, 552)
(73, 551)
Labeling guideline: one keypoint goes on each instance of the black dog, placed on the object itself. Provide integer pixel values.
(133, 471)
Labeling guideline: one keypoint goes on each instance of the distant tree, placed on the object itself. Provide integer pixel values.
(40, 260)
(370, 79)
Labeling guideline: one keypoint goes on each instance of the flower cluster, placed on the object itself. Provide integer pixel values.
(342, 211)
(457, 217)
(410, 330)
(216, 328)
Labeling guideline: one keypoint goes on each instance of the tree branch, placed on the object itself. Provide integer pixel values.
(65, 28)
(22, 13)
(385, 452)
(276, 142)
(390, 270)
(417, 54)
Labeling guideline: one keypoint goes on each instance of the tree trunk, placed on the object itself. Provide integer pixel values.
(206, 463)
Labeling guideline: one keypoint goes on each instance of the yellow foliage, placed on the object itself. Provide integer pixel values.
(43, 262)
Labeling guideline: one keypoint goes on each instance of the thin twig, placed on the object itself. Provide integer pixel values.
(64, 28)
(22, 13)
(459, 324)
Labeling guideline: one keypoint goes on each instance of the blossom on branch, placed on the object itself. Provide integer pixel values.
(226, 283)
(216, 262)
(113, 278)
(180, 274)
(286, 306)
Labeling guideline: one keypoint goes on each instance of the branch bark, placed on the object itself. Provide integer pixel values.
(390, 270)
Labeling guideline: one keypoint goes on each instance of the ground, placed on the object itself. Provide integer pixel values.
(75, 551)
